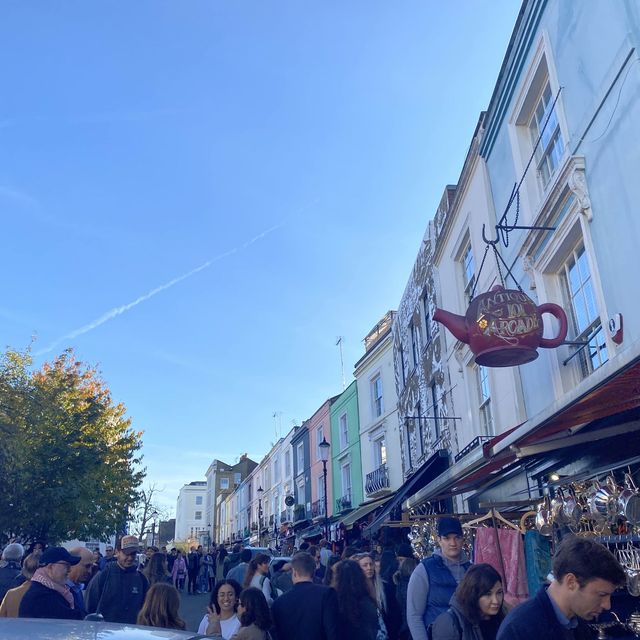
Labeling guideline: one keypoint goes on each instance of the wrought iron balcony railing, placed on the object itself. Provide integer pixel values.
(377, 480)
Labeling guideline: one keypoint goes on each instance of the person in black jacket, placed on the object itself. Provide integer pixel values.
(49, 596)
(308, 611)
(10, 567)
(585, 575)
(359, 615)
(118, 591)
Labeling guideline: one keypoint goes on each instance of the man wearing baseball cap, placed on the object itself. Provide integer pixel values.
(117, 592)
(435, 579)
(49, 596)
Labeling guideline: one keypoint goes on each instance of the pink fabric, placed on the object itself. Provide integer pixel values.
(489, 543)
(41, 576)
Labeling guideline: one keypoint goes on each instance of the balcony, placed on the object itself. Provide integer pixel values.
(317, 508)
(343, 503)
(299, 513)
(377, 480)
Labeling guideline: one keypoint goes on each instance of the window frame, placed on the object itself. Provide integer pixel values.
(377, 399)
(343, 430)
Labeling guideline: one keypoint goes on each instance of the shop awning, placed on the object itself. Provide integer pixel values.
(611, 396)
(363, 510)
(432, 468)
(312, 532)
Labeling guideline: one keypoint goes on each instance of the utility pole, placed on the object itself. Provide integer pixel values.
(339, 344)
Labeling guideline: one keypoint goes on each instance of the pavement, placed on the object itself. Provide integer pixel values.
(193, 608)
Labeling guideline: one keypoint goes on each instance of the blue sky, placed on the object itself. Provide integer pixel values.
(199, 197)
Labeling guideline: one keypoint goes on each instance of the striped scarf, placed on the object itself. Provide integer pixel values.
(41, 576)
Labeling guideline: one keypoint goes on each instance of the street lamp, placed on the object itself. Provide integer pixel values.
(154, 516)
(260, 492)
(324, 447)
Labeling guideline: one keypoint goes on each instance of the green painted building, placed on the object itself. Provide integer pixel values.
(346, 464)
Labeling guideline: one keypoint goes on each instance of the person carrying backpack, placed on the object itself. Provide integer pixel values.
(258, 576)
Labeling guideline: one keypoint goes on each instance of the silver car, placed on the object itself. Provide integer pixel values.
(41, 629)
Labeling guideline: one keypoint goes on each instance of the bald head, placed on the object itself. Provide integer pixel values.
(81, 571)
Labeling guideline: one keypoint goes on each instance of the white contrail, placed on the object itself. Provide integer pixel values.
(109, 315)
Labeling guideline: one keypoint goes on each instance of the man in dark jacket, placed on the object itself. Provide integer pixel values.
(585, 575)
(309, 611)
(49, 596)
(231, 560)
(193, 566)
(118, 591)
(10, 567)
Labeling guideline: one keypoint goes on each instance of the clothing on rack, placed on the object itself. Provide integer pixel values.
(537, 552)
(503, 549)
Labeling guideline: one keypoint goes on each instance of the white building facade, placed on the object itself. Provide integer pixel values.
(190, 512)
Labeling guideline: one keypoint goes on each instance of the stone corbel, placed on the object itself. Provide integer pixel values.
(578, 185)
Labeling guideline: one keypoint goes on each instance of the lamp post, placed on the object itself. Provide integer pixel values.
(260, 492)
(154, 516)
(324, 447)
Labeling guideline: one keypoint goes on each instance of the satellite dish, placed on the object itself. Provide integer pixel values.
(289, 501)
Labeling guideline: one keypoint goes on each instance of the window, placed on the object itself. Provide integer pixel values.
(408, 429)
(319, 438)
(224, 483)
(287, 464)
(415, 346)
(300, 457)
(276, 471)
(484, 395)
(427, 318)
(434, 410)
(551, 148)
(237, 478)
(584, 318)
(198, 500)
(344, 431)
(301, 496)
(421, 428)
(379, 452)
(376, 396)
(468, 272)
(403, 372)
(198, 515)
(345, 472)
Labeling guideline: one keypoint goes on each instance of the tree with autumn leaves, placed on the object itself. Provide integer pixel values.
(69, 459)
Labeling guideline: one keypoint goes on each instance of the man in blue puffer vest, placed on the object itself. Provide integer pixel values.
(435, 579)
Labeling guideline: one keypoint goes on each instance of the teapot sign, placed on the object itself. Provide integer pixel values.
(503, 327)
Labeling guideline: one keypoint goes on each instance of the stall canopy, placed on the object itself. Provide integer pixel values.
(431, 469)
(363, 510)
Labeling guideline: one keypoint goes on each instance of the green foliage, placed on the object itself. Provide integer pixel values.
(68, 455)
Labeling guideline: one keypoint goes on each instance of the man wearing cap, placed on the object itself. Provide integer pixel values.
(10, 567)
(118, 591)
(49, 596)
(435, 579)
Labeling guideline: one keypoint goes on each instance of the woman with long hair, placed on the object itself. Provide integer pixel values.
(221, 618)
(258, 576)
(392, 614)
(477, 607)
(156, 569)
(401, 579)
(254, 615)
(357, 608)
(160, 608)
(367, 564)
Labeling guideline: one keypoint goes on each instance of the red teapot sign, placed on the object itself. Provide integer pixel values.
(503, 327)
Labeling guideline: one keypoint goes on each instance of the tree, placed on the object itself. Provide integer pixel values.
(141, 517)
(69, 455)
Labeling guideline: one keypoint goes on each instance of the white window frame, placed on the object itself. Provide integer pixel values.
(345, 474)
(198, 501)
(319, 438)
(287, 463)
(468, 269)
(377, 396)
(197, 515)
(300, 457)
(343, 428)
(379, 450)
(485, 410)
(224, 483)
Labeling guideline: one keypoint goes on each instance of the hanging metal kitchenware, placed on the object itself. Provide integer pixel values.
(604, 500)
(544, 523)
(629, 501)
(572, 510)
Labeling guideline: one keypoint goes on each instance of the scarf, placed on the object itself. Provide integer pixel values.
(41, 576)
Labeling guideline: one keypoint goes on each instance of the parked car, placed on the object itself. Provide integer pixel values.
(42, 629)
(256, 550)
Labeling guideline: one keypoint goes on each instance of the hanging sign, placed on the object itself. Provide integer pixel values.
(503, 327)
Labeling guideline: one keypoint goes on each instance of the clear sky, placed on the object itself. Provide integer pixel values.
(200, 196)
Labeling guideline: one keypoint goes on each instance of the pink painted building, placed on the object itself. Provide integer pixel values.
(320, 427)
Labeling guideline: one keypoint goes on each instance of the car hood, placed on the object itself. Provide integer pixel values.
(42, 629)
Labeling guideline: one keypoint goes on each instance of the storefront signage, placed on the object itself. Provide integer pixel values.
(503, 327)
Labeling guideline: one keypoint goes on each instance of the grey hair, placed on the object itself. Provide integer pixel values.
(13, 551)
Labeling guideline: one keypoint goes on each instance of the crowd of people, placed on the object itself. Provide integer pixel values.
(386, 594)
